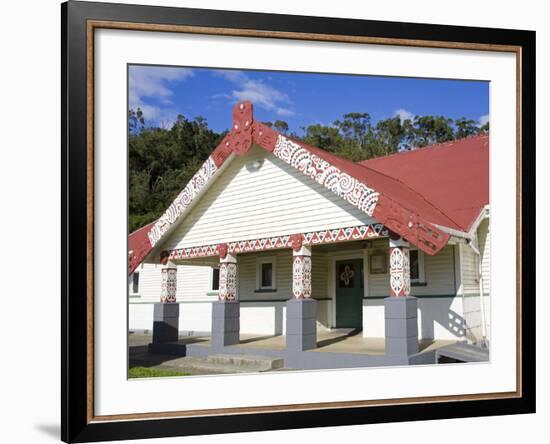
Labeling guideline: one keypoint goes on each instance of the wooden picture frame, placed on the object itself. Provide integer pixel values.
(380, 263)
(79, 22)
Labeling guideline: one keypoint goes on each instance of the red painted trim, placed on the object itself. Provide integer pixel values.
(391, 202)
(361, 232)
(264, 136)
(339, 175)
(409, 225)
(139, 246)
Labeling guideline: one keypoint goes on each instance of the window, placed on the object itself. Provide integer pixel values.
(417, 266)
(266, 274)
(215, 284)
(133, 283)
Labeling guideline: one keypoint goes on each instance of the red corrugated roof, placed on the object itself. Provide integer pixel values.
(388, 184)
(453, 177)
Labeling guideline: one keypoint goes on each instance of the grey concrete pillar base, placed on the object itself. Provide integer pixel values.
(166, 322)
(401, 326)
(225, 323)
(301, 324)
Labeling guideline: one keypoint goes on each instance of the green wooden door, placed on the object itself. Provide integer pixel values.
(349, 293)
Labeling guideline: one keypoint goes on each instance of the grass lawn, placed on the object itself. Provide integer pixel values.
(145, 372)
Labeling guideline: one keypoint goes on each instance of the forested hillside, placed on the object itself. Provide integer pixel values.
(162, 160)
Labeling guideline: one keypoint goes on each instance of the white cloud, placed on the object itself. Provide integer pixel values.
(483, 119)
(154, 82)
(403, 114)
(258, 92)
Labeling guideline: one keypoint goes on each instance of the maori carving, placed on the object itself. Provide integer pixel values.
(168, 285)
(400, 277)
(222, 250)
(331, 177)
(410, 226)
(265, 136)
(296, 241)
(222, 152)
(244, 132)
(228, 281)
(240, 138)
(360, 232)
(164, 257)
(184, 199)
(301, 277)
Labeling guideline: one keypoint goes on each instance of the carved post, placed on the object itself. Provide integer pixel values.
(169, 283)
(226, 310)
(400, 270)
(167, 311)
(301, 309)
(301, 273)
(400, 308)
(228, 275)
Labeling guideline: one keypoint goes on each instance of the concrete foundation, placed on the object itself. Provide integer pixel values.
(225, 323)
(165, 323)
(401, 326)
(165, 327)
(301, 324)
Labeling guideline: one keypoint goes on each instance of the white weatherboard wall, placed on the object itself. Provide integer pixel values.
(438, 317)
(193, 283)
(193, 288)
(275, 200)
(264, 312)
(470, 279)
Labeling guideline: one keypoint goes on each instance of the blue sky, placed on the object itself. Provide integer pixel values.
(300, 99)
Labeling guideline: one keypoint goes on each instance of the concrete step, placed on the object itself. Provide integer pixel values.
(250, 362)
(223, 363)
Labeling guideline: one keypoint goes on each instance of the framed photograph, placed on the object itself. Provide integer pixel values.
(378, 262)
(275, 221)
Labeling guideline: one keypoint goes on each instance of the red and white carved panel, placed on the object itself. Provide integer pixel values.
(168, 285)
(184, 199)
(273, 243)
(331, 177)
(301, 277)
(400, 276)
(228, 281)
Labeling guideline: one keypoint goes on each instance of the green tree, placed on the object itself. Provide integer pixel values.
(162, 161)
(281, 126)
(355, 127)
(465, 127)
(484, 129)
(390, 134)
(325, 137)
(432, 129)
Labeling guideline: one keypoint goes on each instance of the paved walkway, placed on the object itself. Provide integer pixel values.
(333, 341)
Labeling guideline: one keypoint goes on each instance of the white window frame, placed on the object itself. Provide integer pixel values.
(266, 260)
(131, 284)
(421, 271)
